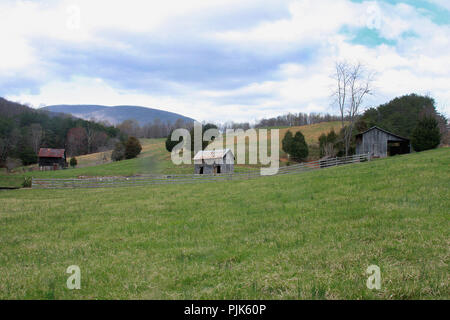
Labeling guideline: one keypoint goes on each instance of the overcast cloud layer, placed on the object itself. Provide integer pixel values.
(220, 60)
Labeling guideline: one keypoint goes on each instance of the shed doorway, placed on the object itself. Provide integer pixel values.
(397, 147)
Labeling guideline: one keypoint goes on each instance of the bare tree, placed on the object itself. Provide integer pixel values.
(329, 150)
(130, 127)
(98, 140)
(8, 143)
(90, 134)
(12, 163)
(36, 136)
(76, 141)
(353, 85)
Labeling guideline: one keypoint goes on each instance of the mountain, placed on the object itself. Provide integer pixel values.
(117, 114)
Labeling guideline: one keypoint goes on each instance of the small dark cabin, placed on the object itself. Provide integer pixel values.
(381, 143)
(52, 159)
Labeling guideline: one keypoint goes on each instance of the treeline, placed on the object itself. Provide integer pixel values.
(160, 129)
(402, 114)
(23, 130)
(155, 129)
(296, 119)
(286, 120)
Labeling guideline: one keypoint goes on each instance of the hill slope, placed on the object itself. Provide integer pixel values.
(305, 236)
(118, 114)
(310, 131)
(153, 159)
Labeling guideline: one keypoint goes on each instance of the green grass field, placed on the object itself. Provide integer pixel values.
(305, 236)
(154, 159)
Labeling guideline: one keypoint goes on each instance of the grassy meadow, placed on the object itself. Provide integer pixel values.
(303, 236)
(154, 159)
(311, 133)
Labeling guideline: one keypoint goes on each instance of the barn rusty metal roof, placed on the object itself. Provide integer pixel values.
(211, 154)
(51, 153)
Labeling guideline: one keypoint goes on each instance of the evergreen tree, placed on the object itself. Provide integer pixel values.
(286, 143)
(73, 162)
(28, 156)
(295, 145)
(426, 135)
(132, 148)
(299, 149)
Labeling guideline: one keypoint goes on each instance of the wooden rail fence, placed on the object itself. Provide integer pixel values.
(141, 180)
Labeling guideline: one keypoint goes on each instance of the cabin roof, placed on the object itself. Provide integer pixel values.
(385, 131)
(211, 154)
(51, 153)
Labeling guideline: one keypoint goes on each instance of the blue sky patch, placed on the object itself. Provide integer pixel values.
(366, 37)
(439, 15)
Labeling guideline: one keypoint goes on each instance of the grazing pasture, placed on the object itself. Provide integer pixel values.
(311, 133)
(304, 236)
(154, 158)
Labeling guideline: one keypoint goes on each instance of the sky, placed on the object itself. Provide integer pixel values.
(221, 60)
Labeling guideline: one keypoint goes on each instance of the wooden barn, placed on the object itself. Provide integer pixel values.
(214, 162)
(380, 143)
(52, 159)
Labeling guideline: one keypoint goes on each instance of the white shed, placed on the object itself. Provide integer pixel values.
(214, 161)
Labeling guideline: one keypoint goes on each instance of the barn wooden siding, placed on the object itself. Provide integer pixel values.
(52, 159)
(375, 142)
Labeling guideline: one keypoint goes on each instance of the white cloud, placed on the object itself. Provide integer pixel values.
(419, 63)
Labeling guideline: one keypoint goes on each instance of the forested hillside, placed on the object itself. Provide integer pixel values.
(118, 114)
(24, 130)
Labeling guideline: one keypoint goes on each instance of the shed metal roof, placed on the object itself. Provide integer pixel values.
(211, 154)
(378, 128)
(51, 153)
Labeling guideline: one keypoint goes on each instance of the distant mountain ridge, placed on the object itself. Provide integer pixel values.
(117, 114)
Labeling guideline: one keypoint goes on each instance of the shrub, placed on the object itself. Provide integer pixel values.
(426, 134)
(118, 152)
(73, 162)
(132, 148)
